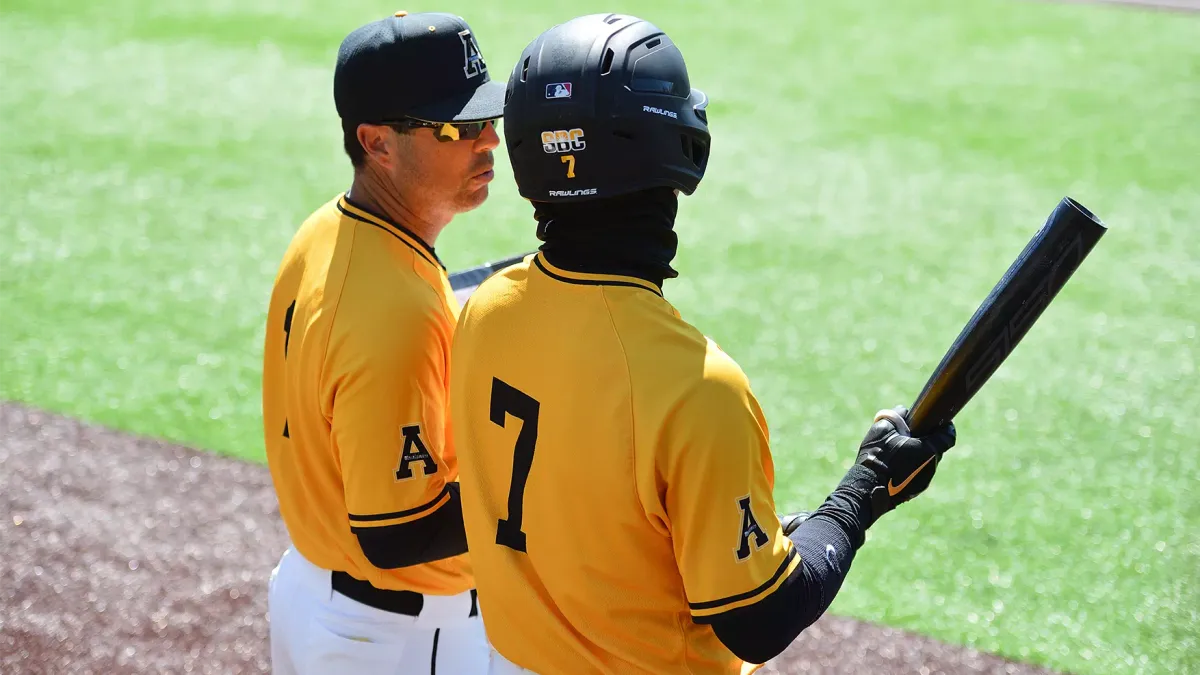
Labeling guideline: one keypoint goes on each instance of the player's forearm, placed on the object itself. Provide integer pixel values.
(434, 537)
(758, 633)
(826, 550)
(826, 542)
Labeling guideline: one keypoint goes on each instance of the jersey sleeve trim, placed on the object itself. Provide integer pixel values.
(709, 608)
(398, 517)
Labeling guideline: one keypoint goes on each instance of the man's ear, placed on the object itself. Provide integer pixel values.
(374, 140)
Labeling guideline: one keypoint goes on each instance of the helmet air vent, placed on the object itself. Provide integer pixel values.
(695, 150)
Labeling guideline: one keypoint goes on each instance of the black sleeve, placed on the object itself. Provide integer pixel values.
(826, 542)
(436, 536)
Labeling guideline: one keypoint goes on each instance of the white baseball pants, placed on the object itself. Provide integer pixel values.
(502, 666)
(318, 631)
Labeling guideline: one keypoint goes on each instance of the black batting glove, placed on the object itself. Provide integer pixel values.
(902, 465)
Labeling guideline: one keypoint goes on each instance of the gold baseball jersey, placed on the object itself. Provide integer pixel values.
(616, 476)
(355, 378)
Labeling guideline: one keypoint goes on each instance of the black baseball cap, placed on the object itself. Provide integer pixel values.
(427, 66)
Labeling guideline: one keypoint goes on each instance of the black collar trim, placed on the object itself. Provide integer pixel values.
(591, 279)
(402, 233)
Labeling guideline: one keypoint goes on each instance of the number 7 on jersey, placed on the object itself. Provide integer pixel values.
(507, 400)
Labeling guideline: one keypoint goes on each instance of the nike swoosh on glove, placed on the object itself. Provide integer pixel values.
(903, 465)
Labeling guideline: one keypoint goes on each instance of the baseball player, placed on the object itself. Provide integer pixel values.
(616, 472)
(356, 369)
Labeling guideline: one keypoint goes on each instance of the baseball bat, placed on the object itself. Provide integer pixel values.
(1007, 314)
(473, 276)
(464, 282)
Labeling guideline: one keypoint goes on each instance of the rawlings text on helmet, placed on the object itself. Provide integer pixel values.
(573, 193)
(659, 111)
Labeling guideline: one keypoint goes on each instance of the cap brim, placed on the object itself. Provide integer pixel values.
(485, 103)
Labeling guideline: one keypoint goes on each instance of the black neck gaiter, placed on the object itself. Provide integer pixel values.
(630, 235)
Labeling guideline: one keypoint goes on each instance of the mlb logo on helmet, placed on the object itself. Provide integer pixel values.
(558, 90)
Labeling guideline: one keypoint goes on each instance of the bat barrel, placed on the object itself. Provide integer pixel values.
(1007, 314)
(472, 277)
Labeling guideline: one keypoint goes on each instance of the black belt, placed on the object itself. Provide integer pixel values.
(408, 603)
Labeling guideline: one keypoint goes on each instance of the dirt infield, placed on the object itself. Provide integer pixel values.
(123, 555)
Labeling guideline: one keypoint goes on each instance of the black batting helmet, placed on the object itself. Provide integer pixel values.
(601, 106)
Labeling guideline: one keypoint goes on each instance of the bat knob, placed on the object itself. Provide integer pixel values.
(896, 420)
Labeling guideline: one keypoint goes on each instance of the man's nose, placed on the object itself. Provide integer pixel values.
(488, 139)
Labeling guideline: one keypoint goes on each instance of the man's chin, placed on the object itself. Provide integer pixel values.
(473, 199)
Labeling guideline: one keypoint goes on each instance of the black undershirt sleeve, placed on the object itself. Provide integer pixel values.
(434, 537)
(826, 542)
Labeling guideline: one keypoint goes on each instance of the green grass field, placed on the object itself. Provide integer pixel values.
(876, 166)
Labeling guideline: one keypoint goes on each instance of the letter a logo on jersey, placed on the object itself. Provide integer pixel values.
(474, 58)
(414, 451)
(750, 528)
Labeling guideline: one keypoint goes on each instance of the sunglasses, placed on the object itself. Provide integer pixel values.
(445, 131)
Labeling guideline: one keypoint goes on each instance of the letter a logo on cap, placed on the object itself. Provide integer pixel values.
(473, 58)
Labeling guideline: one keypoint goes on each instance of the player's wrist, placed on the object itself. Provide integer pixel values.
(861, 480)
(861, 484)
